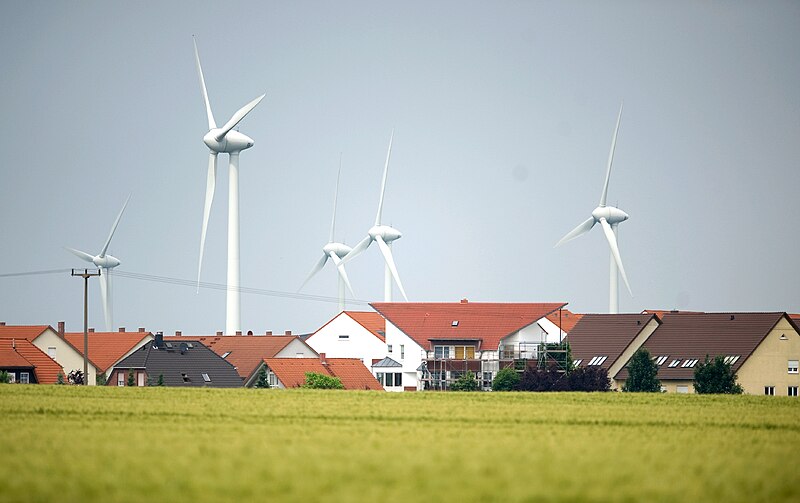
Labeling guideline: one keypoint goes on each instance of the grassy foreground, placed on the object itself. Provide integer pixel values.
(73, 444)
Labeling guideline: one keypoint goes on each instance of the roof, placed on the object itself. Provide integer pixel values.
(245, 352)
(488, 322)
(370, 320)
(183, 367)
(567, 319)
(605, 335)
(46, 368)
(28, 332)
(106, 348)
(691, 336)
(353, 374)
(386, 362)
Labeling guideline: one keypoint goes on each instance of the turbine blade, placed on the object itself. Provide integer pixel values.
(317, 267)
(81, 255)
(387, 256)
(612, 243)
(383, 182)
(340, 268)
(238, 116)
(360, 247)
(105, 297)
(335, 197)
(211, 123)
(113, 228)
(583, 228)
(211, 182)
(604, 195)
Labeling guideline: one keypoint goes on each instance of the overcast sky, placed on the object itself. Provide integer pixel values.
(503, 115)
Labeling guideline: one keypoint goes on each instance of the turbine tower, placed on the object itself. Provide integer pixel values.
(384, 235)
(225, 140)
(609, 219)
(335, 251)
(105, 263)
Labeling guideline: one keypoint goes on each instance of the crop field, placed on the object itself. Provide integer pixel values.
(74, 444)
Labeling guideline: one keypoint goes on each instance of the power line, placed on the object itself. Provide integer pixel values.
(34, 273)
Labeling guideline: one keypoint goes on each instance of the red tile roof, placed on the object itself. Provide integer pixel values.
(29, 332)
(370, 320)
(246, 351)
(292, 371)
(10, 357)
(567, 319)
(107, 348)
(45, 368)
(489, 322)
(353, 374)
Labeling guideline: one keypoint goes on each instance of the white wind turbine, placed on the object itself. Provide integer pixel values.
(225, 140)
(383, 235)
(335, 251)
(105, 263)
(609, 219)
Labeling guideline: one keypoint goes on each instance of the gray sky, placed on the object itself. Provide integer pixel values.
(503, 115)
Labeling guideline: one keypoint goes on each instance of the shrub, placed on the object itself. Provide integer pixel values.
(322, 381)
(549, 379)
(263, 378)
(131, 378)
(593, 378)
(716, 376)
(100, 379)
(60, 379)
(506, 380)
(75, 377)
(466, 382)
(4, 377)
(160, 381)
(642, 373)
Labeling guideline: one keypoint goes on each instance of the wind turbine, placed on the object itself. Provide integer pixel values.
(383, 235)
(225, 140)
(335, 251)
(105, 262)
(609, 219)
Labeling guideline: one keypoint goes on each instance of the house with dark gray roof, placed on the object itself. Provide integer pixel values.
(188, 363)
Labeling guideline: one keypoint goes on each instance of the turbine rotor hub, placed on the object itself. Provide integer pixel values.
(610, 213)
(233, 141)
(338, 249)
(388, 234)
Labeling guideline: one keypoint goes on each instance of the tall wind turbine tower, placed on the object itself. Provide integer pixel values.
(225, 140)
(609, 219)
(335, 251)
(105, 263)
(384, 235)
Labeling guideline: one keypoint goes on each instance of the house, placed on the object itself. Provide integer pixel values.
(352, 334)
(52, 343)
(27, 364)
(106, 349)
(763, 349)
(188, 363)
(291, 372)
(434, 343)
(609, 340)
(247, 352)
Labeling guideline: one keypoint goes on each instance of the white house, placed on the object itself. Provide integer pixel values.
(352, 334)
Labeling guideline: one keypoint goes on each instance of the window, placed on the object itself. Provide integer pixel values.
(487, 380)
(440, 352)
(186, 377)
(51, 352)
(225, 354)
(577, 363)
(730, 360)
(398, 379)
(769, 390)
(689, 363)
(24, 378)
(298, 355)
(661, 359)
(454, 323)
(792, 366)
(682, 389)
(344, 337)
(12, 377)
(402, 351)
(465, 352)
(792, 391)
(389, 348)
(140, 379)
(273, 380)
(379, 377)
(597, 360)
(674, 363)
(206, 378)
(120, 378)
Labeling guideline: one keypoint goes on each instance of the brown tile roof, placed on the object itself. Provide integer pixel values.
(107, 348)
(568, 319)
(353, 374)
(45, 368)
(29, 332)
(688, 336)
(370, 320)
(246, 352)
(598, 335)
(488, 322)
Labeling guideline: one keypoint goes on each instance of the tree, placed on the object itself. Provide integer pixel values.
(716, 376)
(322, 381)
(60, 379)
(160, 381)
(263, 378)
(642, 373)
(75, 377)
(538, 379)
(4, 377)
(131, 378)
(506, 380)
(466, 382)
(100, 379)
(594, 378)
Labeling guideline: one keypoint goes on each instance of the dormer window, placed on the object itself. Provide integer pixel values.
(454, 323)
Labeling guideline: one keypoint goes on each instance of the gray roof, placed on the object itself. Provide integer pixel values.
(183, 364)
(386, 362)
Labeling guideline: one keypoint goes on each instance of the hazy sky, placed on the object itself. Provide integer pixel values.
(503, 115)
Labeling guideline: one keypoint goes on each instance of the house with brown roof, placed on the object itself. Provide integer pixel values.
(106, 349)
(27, 364)
(291, 372)
(52, 343)
(763, 349)
(434, 343)
(247, 352)
(352, 334)
(609, 340)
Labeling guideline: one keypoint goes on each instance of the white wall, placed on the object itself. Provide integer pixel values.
(298, 349)
(361, 343)
(410, 360)
(66, 355)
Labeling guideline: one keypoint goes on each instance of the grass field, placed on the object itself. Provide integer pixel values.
(73, 444)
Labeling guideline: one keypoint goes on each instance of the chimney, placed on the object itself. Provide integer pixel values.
(61, 329)
(141, 329)
(249, 332)
(733, 317)
(159, 339)
(269, 332)
(91, 330)
(14, 344)
(178, 333)
(464, 301)
(288, 332)
(219, 333)
(2, 323)
(322, 359)
(238, 332)
(122, 330)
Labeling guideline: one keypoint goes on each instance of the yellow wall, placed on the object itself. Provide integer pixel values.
(767, 366)
(66, 355)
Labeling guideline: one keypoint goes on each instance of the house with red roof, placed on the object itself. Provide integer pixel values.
(430, 344)
(291, 372)
(52, 343)
(27, 364)
(107, 349)
(352, 334)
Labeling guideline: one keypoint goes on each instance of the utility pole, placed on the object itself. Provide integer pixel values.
(85, 275)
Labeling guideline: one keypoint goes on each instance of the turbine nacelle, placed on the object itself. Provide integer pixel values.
(611, 214)
(232, 141)
(338, 249)
(388, 234)
(107, 261)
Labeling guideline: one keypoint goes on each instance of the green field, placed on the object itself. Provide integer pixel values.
(73, 444)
